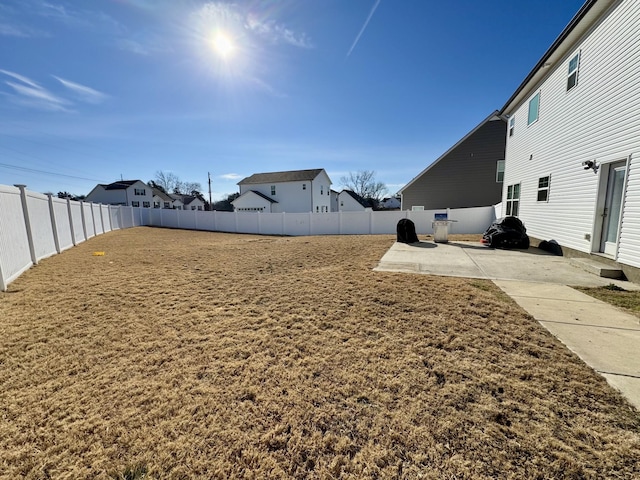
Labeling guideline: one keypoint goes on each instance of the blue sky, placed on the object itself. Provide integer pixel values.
(94, 90)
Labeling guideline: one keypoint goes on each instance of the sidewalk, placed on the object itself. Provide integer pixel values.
(603, 336)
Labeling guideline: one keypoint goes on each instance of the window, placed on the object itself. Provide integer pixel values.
(321, 190)
(513, 199)
(512, 125)
(146, 204)
(572, 76)
(317, 209)
(273, 189)
(156, 204)
(135, 204)
(167, 205)
(200, 207)
(500, 171)
(139, 191)
(534, 108)
(304, 186)
(543, 188)
(193, 207)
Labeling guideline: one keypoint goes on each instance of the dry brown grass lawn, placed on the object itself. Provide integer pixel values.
(185, 354)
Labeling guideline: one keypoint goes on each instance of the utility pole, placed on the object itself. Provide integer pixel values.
(210, 204)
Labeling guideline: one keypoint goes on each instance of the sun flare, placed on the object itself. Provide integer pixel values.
(223, 45)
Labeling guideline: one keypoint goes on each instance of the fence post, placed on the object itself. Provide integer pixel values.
(27, 222)
(370, 222)
(84, 221)
(54, 227)
(73, 230)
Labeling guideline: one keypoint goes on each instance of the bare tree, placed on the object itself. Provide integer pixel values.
(364, 183)
(168, 181)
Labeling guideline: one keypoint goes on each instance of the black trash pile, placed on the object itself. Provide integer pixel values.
(406, 231)
(506, 232)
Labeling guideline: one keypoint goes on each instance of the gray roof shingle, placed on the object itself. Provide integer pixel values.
(278, 177)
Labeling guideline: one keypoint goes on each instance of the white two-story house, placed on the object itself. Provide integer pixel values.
(132, 193)
(292, 192)
(572, 160)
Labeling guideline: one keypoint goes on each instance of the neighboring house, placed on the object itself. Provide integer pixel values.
(573, 141)
(335, 206)
(186, 202)
(469, 174)
(391, 203)
(350, 201)
(292, 191)
(134, 193)
(161, 199)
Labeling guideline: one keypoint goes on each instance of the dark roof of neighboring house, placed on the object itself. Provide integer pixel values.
(162, 195)
(277, 177)
(120, 185)
(586, 16)
(365, 202)
(185, 199)
(261, 195)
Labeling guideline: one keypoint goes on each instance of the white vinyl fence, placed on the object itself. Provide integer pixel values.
(35, 226)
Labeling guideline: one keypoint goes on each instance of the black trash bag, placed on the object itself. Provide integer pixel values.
(506, 232)
(406, 231)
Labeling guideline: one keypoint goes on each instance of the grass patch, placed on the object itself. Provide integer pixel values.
(628, 300)
(209, 355)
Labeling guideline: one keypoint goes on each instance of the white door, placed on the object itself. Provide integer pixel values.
(612, 208)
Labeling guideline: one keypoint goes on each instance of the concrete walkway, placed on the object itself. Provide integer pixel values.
(603, 336)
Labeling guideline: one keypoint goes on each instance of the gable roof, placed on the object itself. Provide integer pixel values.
(185, 199)
(588, 14)
(261, 195)
(493, 117)
(159, 193)
(366, 203)
(278, 177)
(120, 185)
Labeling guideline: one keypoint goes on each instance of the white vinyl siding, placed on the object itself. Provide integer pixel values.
(598, 121)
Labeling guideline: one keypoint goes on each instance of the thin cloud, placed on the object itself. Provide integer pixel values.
(36, 96)
(231, 176)
(20, 31)
(87, 94)
(364, 27)
(277, 33)
(21, 78)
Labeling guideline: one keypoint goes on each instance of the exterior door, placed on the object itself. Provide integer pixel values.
(612, 208)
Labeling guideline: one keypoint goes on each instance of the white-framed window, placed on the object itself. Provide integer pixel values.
(500, 171)
(146, 204)
(534, 108)
(167, 205)
(139, 191)
(572, 75)
(304, 186)
(513, 199)
(543, 188)
(512, 126)
(321, 190)
(156, 204)
(273, 189)
(200, 207)
(317, 209)
(135, 204)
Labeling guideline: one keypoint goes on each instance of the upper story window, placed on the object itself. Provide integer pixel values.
(512, 125)
(321, 190)
(139, 191)
(304, 186)
(534, 108)
(572, 76)
(273, 189)
(543, 188)
(500, 171)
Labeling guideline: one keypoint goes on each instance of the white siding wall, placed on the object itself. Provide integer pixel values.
(346, 203)
(596, 120)
(321, 193)
(289, 195)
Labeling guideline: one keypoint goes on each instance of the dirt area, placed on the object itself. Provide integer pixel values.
(182, 354)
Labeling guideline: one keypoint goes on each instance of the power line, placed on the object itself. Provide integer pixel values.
(34, 170)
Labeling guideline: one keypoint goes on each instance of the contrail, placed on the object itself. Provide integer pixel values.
(364, 27)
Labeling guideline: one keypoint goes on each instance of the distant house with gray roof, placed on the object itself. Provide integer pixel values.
(133, 193)
(294, 191)
(350, 201)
